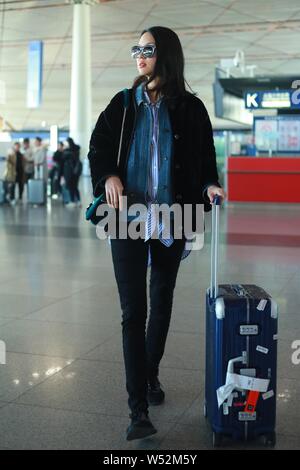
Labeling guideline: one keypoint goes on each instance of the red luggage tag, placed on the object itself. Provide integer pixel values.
(251, 401)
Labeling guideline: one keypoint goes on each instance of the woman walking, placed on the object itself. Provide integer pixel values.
(167, 156)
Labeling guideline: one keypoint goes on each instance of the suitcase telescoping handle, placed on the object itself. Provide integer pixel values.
(215, 247)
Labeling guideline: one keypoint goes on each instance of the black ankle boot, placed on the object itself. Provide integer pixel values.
(140, 426)
(155, 395)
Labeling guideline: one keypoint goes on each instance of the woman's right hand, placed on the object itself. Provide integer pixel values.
(114, 189)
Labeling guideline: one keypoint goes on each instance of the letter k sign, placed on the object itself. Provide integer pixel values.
(251, 100)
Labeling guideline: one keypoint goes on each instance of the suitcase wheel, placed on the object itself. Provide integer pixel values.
(270, 439)
(216, 439)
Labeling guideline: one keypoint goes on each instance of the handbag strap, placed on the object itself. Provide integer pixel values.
(126, 105)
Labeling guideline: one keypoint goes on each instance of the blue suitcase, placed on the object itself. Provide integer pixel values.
(36, 191)
(2, 192)
(241, 357)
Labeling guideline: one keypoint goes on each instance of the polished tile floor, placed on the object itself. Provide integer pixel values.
(63, 385)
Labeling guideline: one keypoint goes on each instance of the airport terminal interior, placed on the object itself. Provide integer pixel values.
(62, 376)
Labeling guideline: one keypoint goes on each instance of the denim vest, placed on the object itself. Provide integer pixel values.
(140, 154)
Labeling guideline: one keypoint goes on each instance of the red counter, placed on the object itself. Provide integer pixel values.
(263, 179)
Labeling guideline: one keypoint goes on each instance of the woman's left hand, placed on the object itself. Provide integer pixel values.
(213, 191)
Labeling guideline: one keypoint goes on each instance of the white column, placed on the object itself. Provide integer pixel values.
(81, 86)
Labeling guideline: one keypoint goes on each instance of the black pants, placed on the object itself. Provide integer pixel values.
(143, 351)
(12, 189)
(20, 183)
(54, 175)
(72, 186)
(9, 191)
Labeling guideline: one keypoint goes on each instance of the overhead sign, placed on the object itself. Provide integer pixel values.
(273, 99)
(34, 74)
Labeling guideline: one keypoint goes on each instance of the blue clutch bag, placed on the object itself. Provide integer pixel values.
(91, 211)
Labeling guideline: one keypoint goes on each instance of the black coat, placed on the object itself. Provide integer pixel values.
(194, 162)
(58, 161)
(68, 165)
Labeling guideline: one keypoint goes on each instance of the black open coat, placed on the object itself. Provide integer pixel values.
(194, 158)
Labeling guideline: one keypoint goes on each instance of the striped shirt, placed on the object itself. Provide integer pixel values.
(152, 183)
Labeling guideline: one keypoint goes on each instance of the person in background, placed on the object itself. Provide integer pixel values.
(57, 171)
(72, 168)
(40, 159)
(14, 173)
(20, 173)
(77, 171)
(67, 172)
(28, 160)
(9, 176)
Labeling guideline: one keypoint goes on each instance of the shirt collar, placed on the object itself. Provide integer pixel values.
(142, 96)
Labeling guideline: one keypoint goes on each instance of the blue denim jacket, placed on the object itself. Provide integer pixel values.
(151, 145)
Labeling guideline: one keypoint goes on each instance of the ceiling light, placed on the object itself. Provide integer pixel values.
(86, 2)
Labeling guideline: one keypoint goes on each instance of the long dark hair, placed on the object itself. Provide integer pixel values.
(169, 66)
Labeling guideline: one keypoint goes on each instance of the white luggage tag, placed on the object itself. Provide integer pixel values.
(239, 382)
